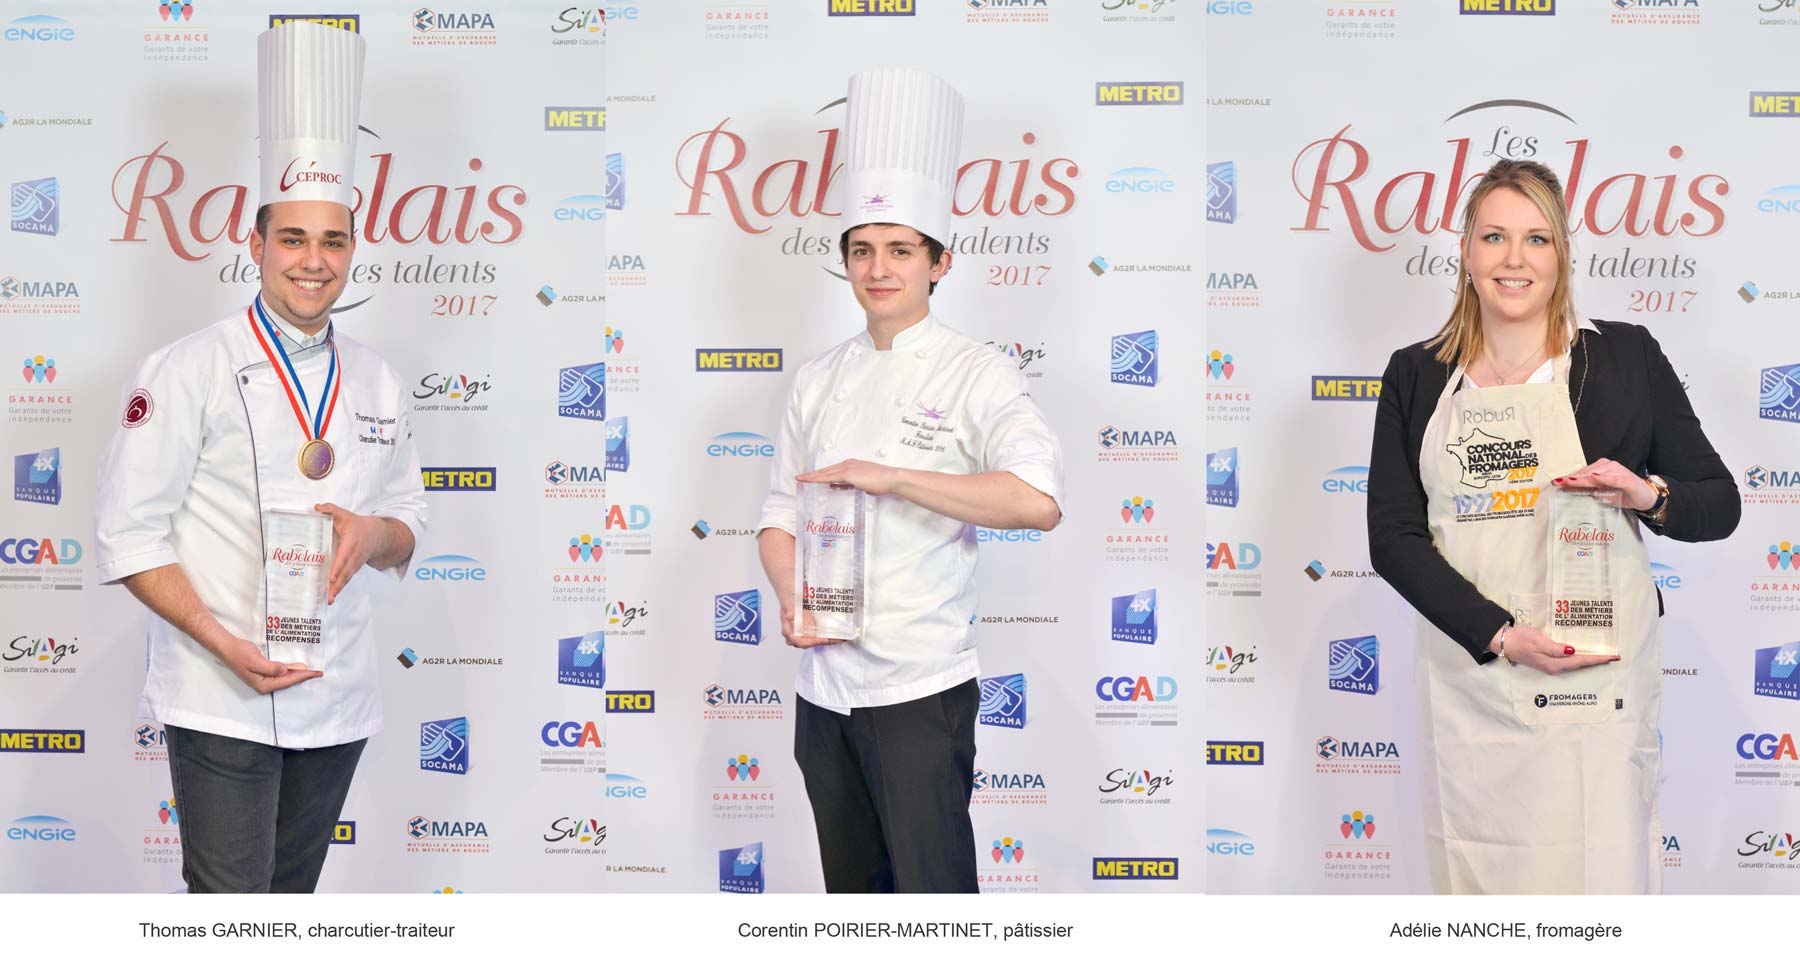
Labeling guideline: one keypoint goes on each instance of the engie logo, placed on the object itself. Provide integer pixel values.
(1221, 192)
(740, 445)
(1354, 665)
(619, 786)
(1003, 701)
(444, 745)
(1227, 842)
(1134, 358)
(1526, 7)
(41, 829)
(737, 359)
(40, 28)
(1136, 868)
(1775, 671)
(737, 617)
(452, 568)
(985, 535)
(869, 8)
(1664, 576)
(581, 392)
(459, 478)
(69, 741)
(1334, 387)
(1138, 92)
(574, 118)
(1140, 180)
(1779, 398)
(1222, 477)
(1234, 753)
(1781, 199)
(1347, 478)
(1134, 617)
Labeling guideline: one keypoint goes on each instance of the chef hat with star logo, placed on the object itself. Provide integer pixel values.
(902, 139)
(308, 91)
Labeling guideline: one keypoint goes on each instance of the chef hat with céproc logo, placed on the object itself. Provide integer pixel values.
(308, 91)
(902, 139)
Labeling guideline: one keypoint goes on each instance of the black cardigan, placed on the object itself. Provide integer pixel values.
(1632, 410)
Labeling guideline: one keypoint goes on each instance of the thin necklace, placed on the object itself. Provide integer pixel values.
(1505, 378)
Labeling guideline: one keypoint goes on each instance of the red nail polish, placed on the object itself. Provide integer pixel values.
(1556, 482)
(1568, 650)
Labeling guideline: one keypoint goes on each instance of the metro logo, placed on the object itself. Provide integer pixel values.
(62, 740)
(574, 119)
(737, 359)
(1136, 868)
(870, 8)
(1523, 7)
(630, 702)
(458, 479)
(1775, 104)
(1138, 92)
(1331, 387)
(1234, 753)
(342, 21)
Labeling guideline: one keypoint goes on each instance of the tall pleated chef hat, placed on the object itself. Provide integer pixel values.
(902, 140)
(308, 92)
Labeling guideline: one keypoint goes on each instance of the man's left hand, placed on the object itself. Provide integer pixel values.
(357, 538)
(871, 477)
(1634, 491)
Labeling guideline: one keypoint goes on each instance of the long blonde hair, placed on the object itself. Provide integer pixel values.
(1460, 340)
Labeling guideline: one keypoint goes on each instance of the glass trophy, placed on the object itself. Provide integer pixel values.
(296, 568)
(1583, 530)
(830, 553)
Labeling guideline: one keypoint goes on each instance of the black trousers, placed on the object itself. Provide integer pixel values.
(255, 818)
(890, 789)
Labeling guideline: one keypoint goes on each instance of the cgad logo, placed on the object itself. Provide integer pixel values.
(24, 551)
(571, 735)
(1127, 688)
(1222, 556)
(1765, 747)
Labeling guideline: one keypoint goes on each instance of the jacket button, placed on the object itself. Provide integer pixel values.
(919, 354)
(881, 453)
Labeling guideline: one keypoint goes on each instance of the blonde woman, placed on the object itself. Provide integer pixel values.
(1541, 764)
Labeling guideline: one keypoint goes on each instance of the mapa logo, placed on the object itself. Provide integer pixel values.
(444, 745)
(1134, 617)
(1354, 665)
(1134, 359)
(1330, 748)
(737, 617)
(1003, 701)
(1222, 477)
(1775, 671)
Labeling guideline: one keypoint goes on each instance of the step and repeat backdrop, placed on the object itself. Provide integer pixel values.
(599, 282)
(1342, 139)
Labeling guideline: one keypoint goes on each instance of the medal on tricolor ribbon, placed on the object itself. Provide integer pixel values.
(316, 456)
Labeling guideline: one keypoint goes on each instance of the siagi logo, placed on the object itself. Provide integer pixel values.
(1134, 617)
(444, 745)
(618, 444)
(1134, 358)
(1221, 192)
(741, 869)
(1775, 668)
(1781, 845)
(1003, 701)
(581, 660)
(1348, 478)
(581, 392)
(35, 208)
(451, 567)
(37, 477)
(1354, 665)
(1139, 179)
(737, 617)
(1779, 398)
(740, 445)
(1222, 477)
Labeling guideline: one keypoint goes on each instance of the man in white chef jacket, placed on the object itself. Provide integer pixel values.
(271, 408)
(941, 430)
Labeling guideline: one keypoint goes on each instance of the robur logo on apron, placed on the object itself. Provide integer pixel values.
(1536, 782)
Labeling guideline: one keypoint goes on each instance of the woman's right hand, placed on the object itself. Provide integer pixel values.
(1530, 647)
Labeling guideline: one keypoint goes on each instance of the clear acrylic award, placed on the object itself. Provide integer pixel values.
(297, 548)
(830, 550)
(1583, 529)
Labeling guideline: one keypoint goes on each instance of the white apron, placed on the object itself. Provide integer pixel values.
(1528, 786)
